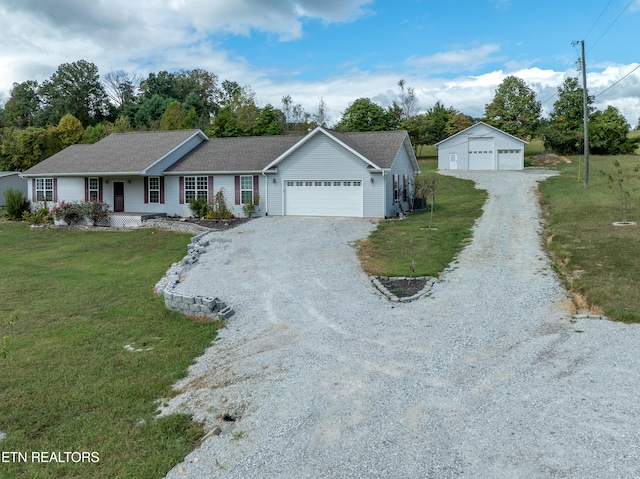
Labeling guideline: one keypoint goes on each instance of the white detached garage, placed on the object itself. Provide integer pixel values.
(481, 147)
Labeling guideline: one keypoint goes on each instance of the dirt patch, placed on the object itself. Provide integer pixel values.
(548, 159)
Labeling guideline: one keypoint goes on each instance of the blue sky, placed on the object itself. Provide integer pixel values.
(453, 51)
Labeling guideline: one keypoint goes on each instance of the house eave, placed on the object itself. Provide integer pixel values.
(81, 175)
(214, 173)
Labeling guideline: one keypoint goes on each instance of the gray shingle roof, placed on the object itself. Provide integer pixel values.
(379, 147)
(117, 153)
(255, 153)
(235, 154)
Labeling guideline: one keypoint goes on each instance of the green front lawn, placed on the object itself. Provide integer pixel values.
(388, 251)
(599, 262)
(67, 383)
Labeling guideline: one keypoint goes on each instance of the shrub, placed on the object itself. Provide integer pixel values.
(39, 216)
(16, 203)
(198, 207)
(249, 209)
(96, 211)
(70, 213)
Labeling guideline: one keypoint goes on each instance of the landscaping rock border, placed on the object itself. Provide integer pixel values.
(181, 226)
(189, 304)
(376, 280)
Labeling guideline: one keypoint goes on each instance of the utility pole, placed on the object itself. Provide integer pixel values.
(585, 100)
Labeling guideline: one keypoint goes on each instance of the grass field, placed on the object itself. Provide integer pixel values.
(67, 383)
(388, 250)
(598, 261)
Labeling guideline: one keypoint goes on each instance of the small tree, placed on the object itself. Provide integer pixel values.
(425, 188)
(621, 178)
(219, 209)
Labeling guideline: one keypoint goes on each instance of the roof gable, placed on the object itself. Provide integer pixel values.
(466, 131)
(378, 149)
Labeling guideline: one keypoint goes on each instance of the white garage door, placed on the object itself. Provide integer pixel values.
(323, 198)
(481, 154)
(509, 160)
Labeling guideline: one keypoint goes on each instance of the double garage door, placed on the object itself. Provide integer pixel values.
(323, 198)
(483, 157)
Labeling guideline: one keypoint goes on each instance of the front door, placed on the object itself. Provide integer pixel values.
(118, 196)
(453, 161)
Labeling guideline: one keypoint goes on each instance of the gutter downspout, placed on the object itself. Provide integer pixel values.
(384, 195)
(266, 189)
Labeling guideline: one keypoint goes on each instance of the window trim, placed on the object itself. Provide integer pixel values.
(40, 194)
(244, 180)
(151, 188)
(198, 190)
(95, 188)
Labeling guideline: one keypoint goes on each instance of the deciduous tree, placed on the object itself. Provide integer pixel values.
(514, 109)
(23, 105)
(74, 88)
(69, 130)
(565, 131)
(363, 115)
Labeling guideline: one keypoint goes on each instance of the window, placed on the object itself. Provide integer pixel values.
(94, 189)
(154, 189)
(336, 183)
(327, 183)
(346, 183)
(396, 181)
(405, 188)
(44, 189)
(289, 183)
(194, 187)
(357, 183)
(246, 189)
(317, 183)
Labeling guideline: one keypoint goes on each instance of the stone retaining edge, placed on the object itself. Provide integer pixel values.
(375, 280)
(189, 304)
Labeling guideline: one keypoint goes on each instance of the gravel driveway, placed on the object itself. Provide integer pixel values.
(489, 377)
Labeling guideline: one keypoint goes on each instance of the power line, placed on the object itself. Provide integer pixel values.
(611, 25)
(618, 81)
(598, 19)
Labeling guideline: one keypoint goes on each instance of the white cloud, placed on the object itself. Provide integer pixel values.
(456, 60)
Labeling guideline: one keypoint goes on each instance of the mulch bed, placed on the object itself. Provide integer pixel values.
(403, 288)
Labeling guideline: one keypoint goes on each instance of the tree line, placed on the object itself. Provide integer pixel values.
(76, 106)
